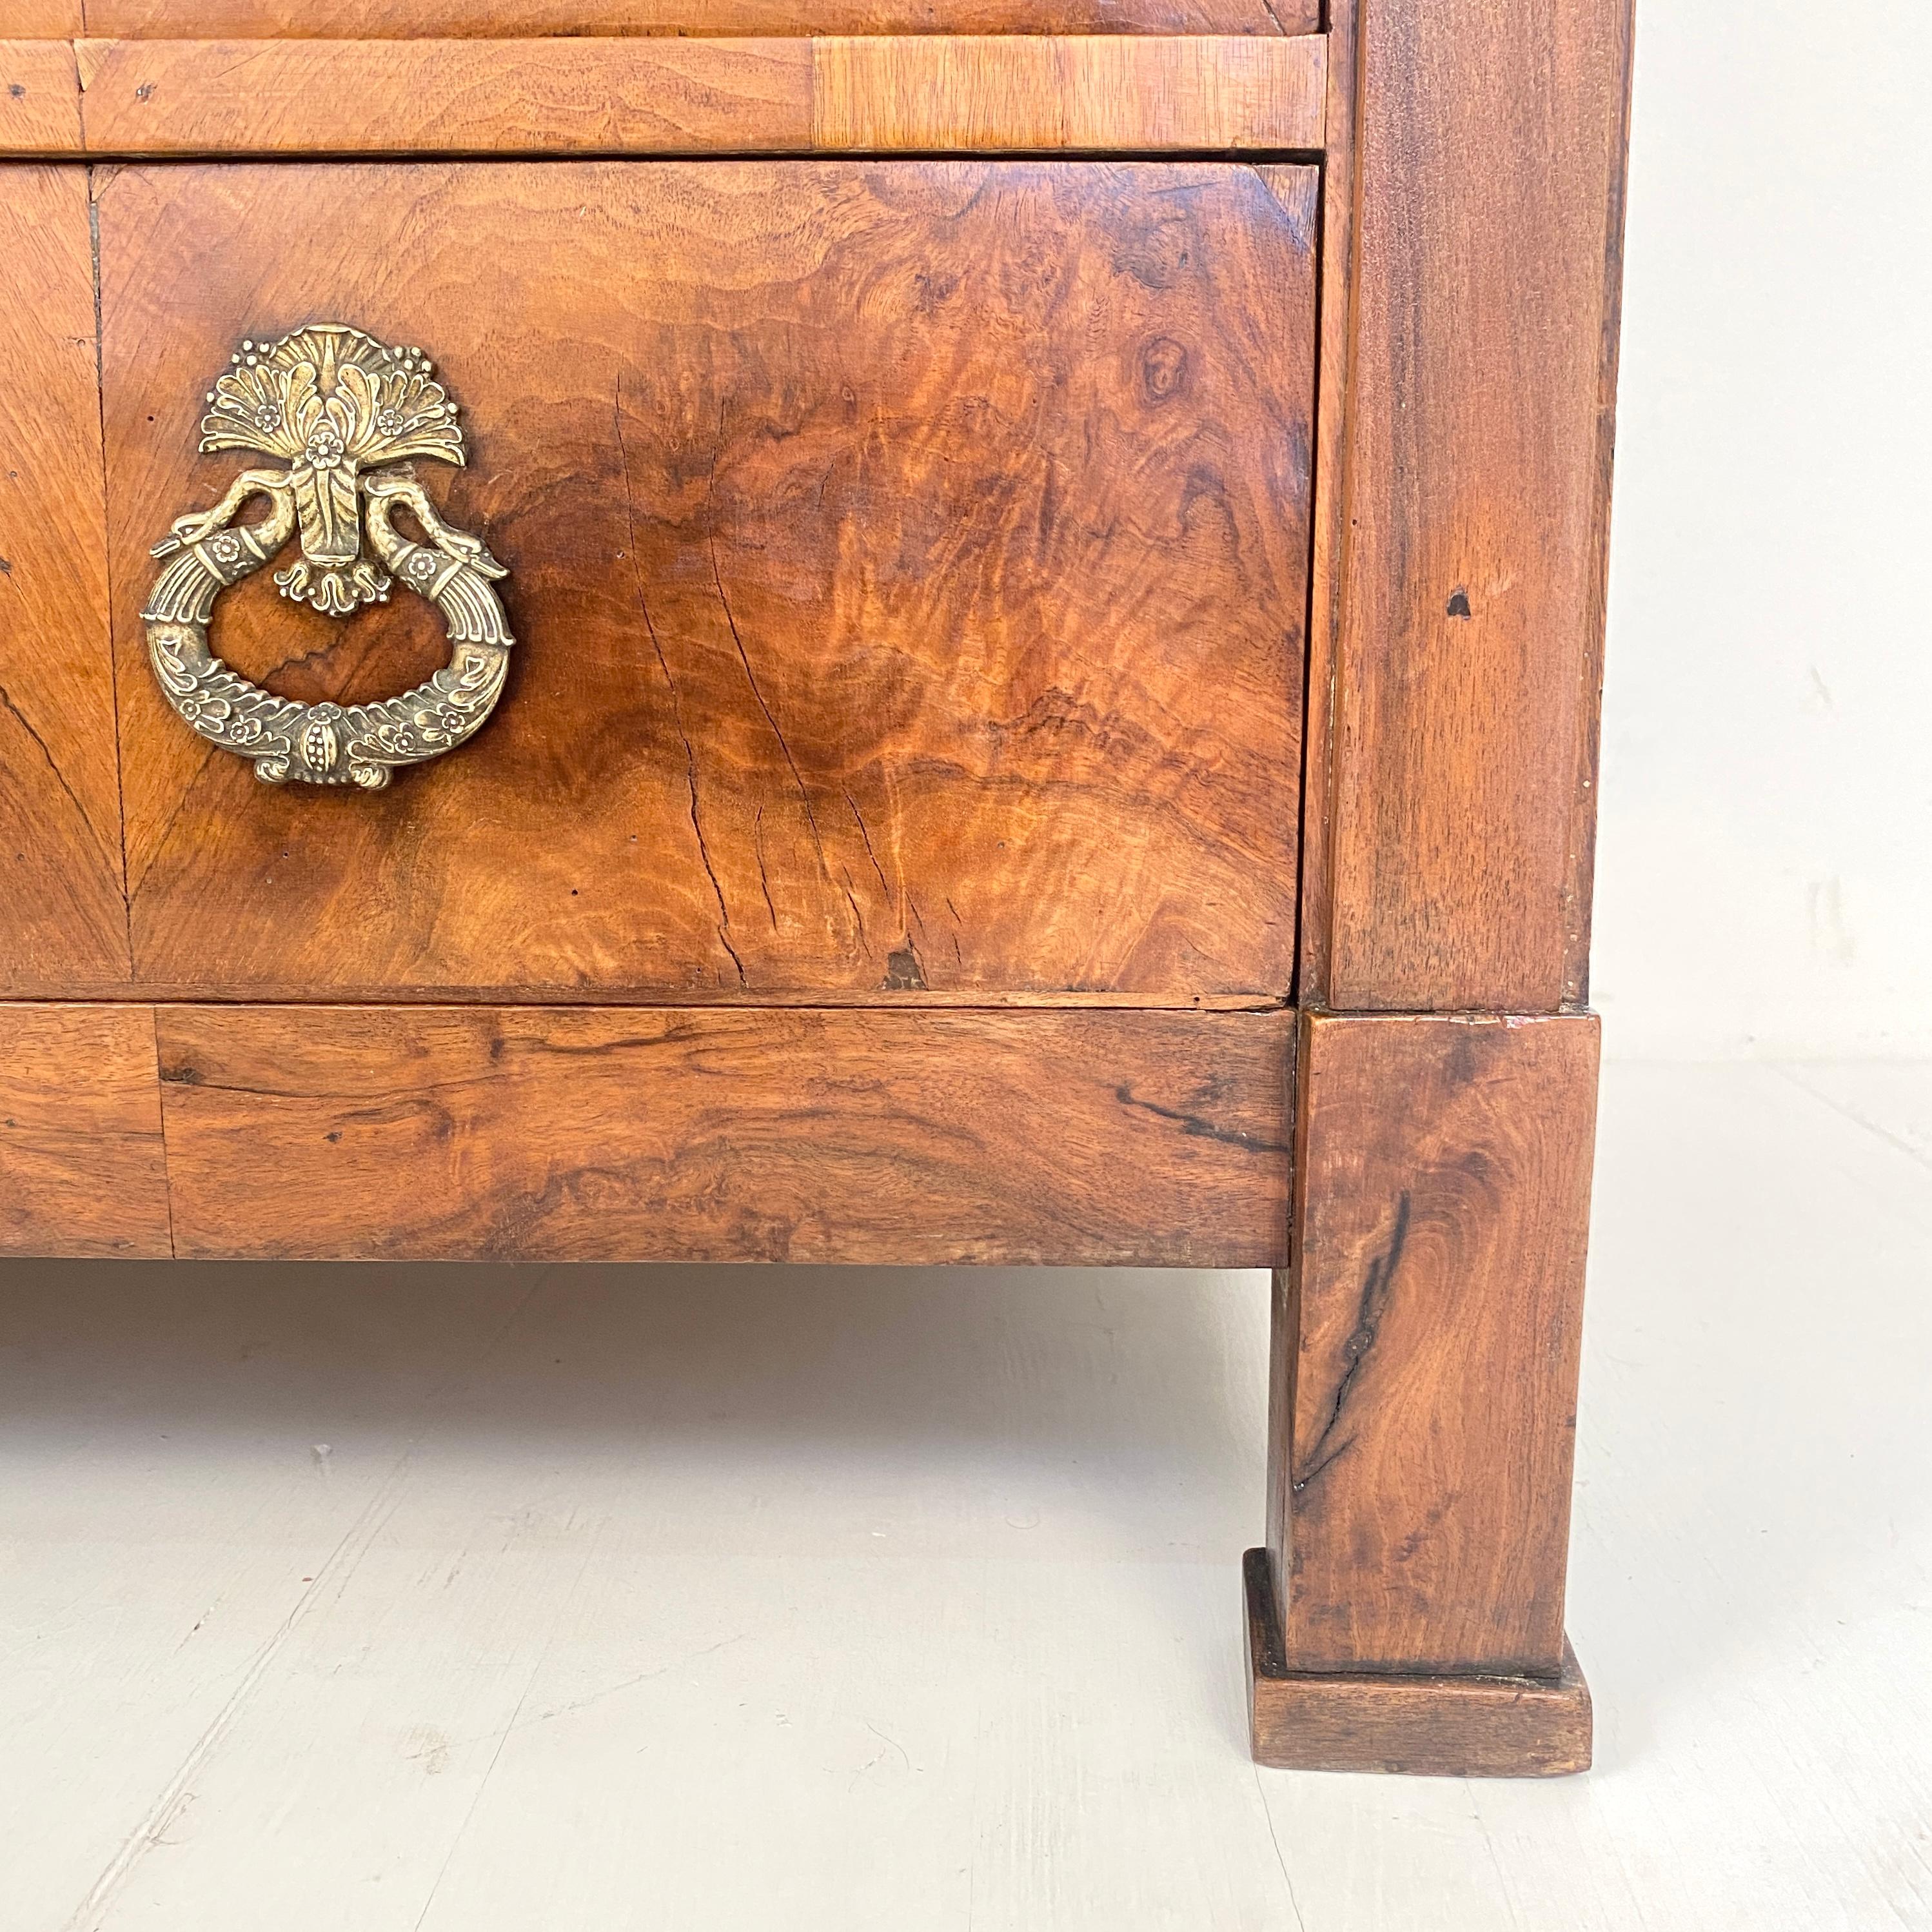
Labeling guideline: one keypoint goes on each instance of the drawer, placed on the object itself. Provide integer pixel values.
(907, 562)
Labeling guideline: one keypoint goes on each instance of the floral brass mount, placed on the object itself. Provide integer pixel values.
(343, 412)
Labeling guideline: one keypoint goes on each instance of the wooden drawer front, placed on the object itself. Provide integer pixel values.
(415, 1132)
(908, 562)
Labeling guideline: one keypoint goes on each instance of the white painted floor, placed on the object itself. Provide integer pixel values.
(347, 1600)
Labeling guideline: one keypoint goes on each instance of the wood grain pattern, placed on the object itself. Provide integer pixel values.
(376, 19)
(1099, 93)
(63, 916)
(53, 19)
(700, 1135)
(1424, 1406)
(1421, 1726)
(1329, 513)
(1490, 163)
(658, 95)
(646, 96)
(909, 561)
(81, 1170)
(40, 98)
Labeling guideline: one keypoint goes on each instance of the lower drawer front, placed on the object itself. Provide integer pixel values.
(603, 1133)
(907, 564)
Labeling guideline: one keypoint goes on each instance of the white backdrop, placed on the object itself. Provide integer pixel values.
(1765, 857)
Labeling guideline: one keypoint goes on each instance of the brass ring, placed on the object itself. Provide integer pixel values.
(344, 411)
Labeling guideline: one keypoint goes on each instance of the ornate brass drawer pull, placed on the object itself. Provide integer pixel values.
(343, 412)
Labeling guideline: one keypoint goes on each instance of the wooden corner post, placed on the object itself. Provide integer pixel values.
(1407, 1613)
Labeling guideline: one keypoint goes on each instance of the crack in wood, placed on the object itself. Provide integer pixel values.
(1195, 1127)
(670, 683)
(1373, 1305)
(731, 622)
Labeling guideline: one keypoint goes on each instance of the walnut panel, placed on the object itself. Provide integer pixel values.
(63, 917)
(81, 1169)
(40, 98)
(962, 94)
(704, 1135)
(908, 558)
(654, 96)
(56, 19)
(356, 19)
(1096, 93)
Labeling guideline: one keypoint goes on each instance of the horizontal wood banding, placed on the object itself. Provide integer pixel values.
(636, 97)
(698, 1134)
(662, 95)
(80, 1132)
(1419, 1727)
(378, 20)
(1046, 94)
(48, 19)
(1435, 1312)
(897, 999)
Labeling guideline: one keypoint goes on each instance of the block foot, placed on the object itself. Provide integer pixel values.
(1430, 1726)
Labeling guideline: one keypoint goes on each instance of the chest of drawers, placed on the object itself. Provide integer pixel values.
(881, 632)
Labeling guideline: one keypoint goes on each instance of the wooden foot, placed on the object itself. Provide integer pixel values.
(1407, 1615)
(1430, 1726)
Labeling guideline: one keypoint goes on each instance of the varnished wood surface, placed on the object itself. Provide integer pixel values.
(1098, 93)
(908, 560)
(646, 96)
(81, 1168)
(40, 97)
(709, 1135)
(376, 19)
(63, 917)
(1329, 512)
(910, 998)
(1427, 1726)
(55, 20)
(1424, 1405)
(1489, 187)
(662, 95)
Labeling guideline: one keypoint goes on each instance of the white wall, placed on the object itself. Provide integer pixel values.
(1764, 861)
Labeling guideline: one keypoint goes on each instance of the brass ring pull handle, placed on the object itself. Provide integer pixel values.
(343, 412)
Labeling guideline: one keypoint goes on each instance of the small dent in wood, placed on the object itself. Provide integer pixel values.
(1459, 603)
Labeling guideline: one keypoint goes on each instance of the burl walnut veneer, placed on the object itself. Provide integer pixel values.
(951, 630)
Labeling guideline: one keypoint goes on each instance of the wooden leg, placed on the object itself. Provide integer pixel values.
(1407, 1614)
